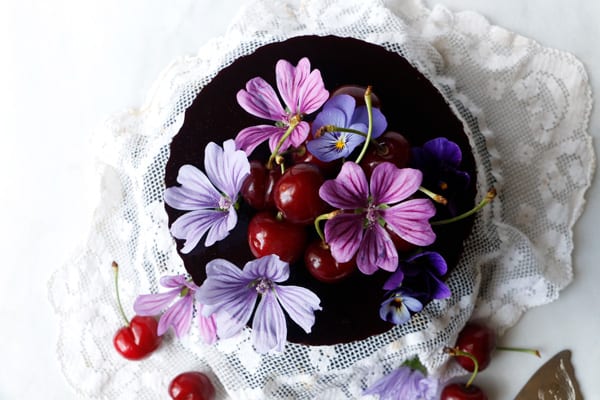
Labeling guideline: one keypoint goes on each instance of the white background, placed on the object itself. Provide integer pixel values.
(66, 65)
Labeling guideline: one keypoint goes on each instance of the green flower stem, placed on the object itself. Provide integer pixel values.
(115, 268)
(333, 128)
(456, 352)
(369, 105)
(324, 217)
(534, 352)
(486, 200)
(433, 196)
(293, 123)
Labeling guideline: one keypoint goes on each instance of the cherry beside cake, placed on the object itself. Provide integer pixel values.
(320, 189)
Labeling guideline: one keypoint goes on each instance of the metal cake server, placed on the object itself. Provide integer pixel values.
(555, 380)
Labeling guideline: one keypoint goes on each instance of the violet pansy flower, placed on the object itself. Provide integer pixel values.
(230, 295)
(341, 111)
(209, 197)
(422, 273)
(404, 383)
(398, 306)
(369, 210)
(179, 305)
(302, 91)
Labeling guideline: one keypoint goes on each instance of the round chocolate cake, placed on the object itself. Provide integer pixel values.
(413, 107)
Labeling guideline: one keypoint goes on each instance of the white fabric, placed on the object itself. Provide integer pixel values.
(532, 146)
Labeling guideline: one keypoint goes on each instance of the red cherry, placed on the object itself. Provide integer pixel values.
(139, 339)
(459, 391)
(358, 92)
(257, 189)
(393, 147)
(478, 340)
(296, 193)
(191, 386)
(321, 264)
(269, 235)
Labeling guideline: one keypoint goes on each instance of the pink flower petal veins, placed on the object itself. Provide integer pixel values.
(312, 93)
(196, 190)
(207, 326)
(226, 167)
(410, 221)
(376, 251)
(344, 233)
(268, 327)
(155, 303)
(270, 267)
(289, 79)
(349, 190)
(390, 184)
(250, 138)
(300, 304)
(260, 100)
(194, 224)
(178, 316)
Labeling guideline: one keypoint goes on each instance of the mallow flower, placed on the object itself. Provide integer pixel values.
(404, 383)
(368, 211)
(179, 305)
(209, 197)
(302, 91)
(230, 295)
(341, 112)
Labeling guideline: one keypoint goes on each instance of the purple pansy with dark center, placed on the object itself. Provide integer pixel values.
(398, 306)
(422, 273)
(179, 305)
(341, 111)
(369, 210)
(230, 295)
(209, 197)
(302, 91)
(404, 383)
(440, 159)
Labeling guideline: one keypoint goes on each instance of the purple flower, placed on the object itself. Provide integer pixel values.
(230, 295)
(210, 199)
(302, 91)
(439, 160)
(178, 313)
(404, 383)
(341, 111)
(397, 308)
(370, 210)
(422, 273)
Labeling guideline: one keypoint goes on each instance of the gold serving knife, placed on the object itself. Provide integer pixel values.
(555, 380)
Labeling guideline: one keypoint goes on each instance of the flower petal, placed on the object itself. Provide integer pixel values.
(289, 79)
(221, 227)
(327, 147)
(155, 303)
(260, 99)
(376, 251)
(178, 316)
(394, 311)
(173, 281)
(390, 184)
(312, 93)
(394, 281)
(208, 327)
(343, 234)
(410, 221)
(379, 121)
(194, 224)
(226, 167)
(268, 327)
(300, 304)
(444, 150)
(195, 192)
(250, 138)
(298, 135)
(270, 267)
(349, 190)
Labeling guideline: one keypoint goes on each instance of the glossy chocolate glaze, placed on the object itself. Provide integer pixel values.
(412, 106)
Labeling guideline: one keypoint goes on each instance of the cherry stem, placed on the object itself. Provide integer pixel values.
(115, 268)
(324, 217)
(486, 200)
(293, 123)
(534, 352)
(456, 352)
(369, 104)
(433, 196)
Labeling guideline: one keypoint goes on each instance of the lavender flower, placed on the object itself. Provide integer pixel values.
(341, 111)
(370, 210)
(230, 295)
(302, 91)
(178, 314)
(404, 383)
(210, 199)
(397, 308)
(422, 273)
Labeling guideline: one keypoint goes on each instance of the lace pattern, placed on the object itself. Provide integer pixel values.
(526, 109)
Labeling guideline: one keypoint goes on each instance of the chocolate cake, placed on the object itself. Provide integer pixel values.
(413, 107)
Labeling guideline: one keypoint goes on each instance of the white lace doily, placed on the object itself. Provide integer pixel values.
(533, 147)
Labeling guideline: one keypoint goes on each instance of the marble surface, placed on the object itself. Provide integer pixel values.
(67, 65)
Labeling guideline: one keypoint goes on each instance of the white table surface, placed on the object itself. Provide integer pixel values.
(66, 65)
